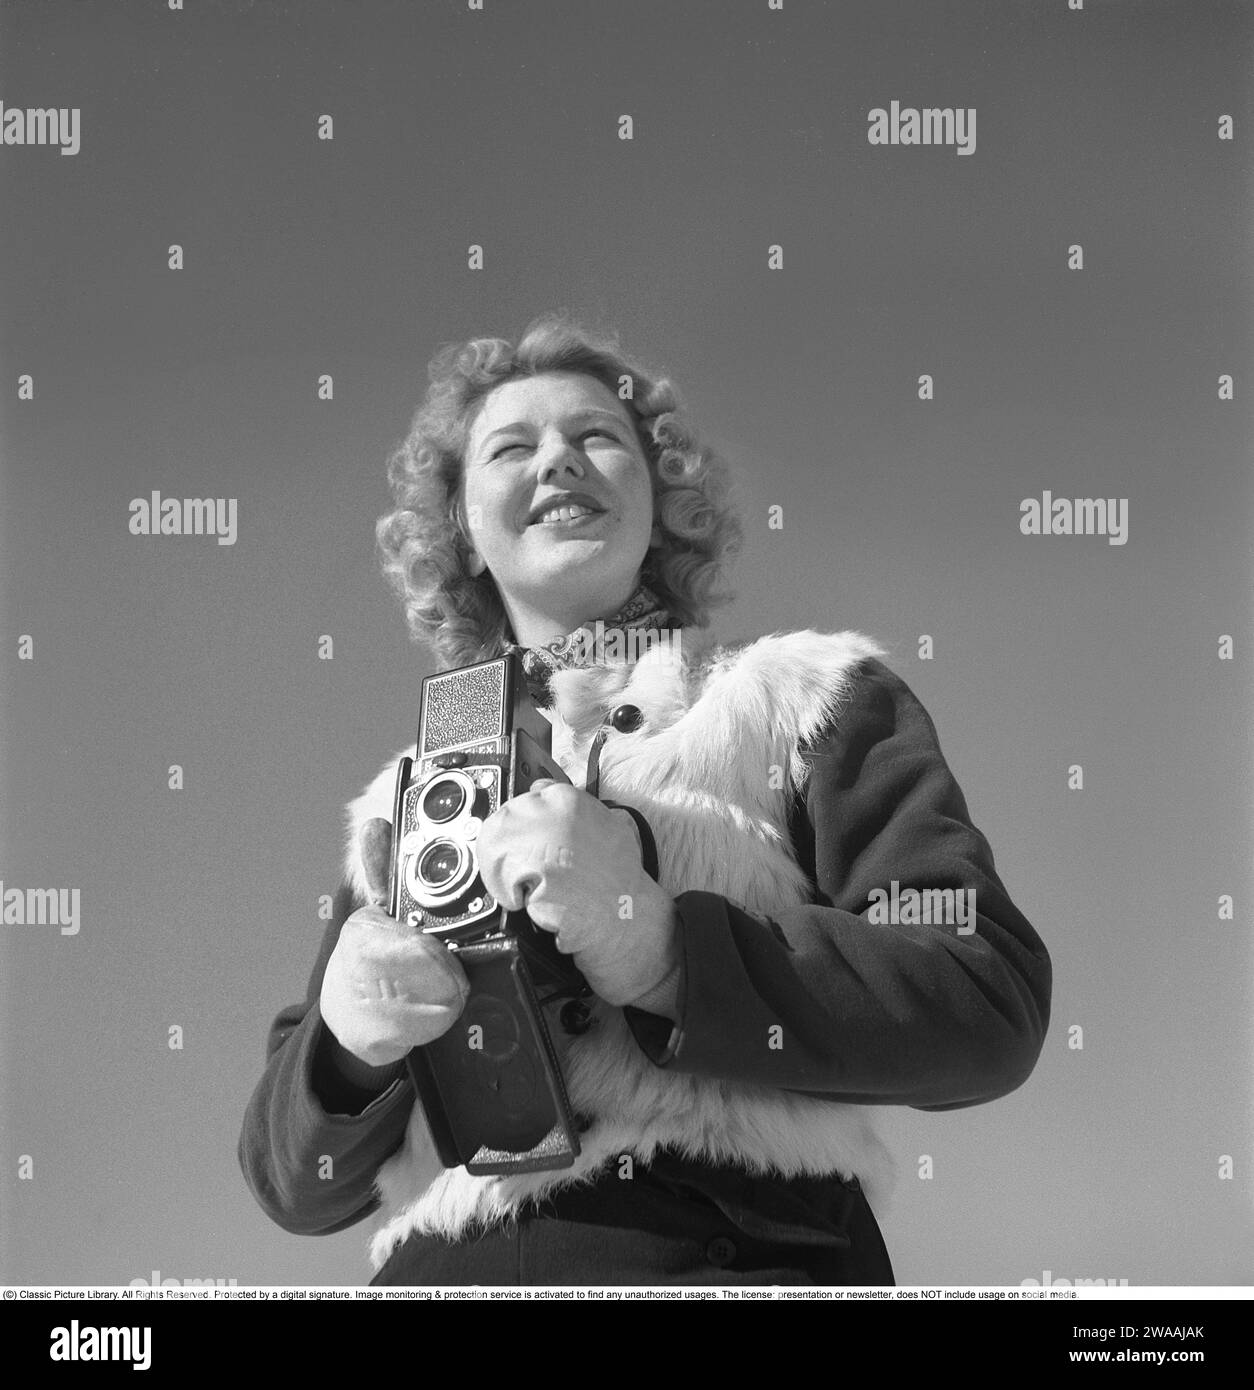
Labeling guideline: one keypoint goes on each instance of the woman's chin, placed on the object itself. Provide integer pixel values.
(572, 555)
(578, 581)
(579, 578)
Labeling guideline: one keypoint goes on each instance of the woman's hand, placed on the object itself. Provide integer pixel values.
(575, 866)
(388, 987)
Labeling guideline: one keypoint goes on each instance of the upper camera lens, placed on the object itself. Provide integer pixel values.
(443, 799)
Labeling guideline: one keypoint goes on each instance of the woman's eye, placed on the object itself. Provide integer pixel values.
(587, 434)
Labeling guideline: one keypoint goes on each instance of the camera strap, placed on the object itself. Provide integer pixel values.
(625, 719)
(648, 845)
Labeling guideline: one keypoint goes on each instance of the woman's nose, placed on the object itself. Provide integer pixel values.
(557, 457)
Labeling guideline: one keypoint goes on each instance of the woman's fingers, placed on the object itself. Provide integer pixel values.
(376, 857)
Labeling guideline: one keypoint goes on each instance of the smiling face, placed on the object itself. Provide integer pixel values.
(559, 501)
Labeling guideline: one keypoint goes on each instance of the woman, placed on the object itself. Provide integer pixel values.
(753, 1005)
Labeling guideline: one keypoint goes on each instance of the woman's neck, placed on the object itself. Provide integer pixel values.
(535, 626)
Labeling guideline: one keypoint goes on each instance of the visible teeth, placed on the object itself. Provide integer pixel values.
(566, 513)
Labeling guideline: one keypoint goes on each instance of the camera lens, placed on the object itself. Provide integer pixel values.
(443, 799)
(439, 863)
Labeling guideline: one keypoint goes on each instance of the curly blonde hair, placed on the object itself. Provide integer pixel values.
(425, 544)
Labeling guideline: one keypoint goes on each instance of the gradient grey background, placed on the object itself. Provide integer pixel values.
(901, 517)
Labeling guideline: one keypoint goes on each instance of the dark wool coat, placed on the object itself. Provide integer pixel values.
(790, 785)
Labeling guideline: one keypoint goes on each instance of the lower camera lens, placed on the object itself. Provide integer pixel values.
(439, 863)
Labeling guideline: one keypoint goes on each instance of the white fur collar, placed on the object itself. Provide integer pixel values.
(720, 825)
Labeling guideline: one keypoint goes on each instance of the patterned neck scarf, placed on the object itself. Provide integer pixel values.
(586, 645)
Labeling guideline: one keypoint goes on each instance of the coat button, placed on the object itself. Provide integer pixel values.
(576, 1016)
(721, 1251)
(626, 719)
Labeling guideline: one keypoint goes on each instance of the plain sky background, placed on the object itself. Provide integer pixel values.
(901, 517)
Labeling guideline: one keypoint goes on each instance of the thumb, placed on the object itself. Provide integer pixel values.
(376, 857)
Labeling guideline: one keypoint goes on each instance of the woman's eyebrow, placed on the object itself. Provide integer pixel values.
(576, 418)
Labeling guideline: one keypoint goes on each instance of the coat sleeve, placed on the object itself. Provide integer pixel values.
(825, 1000)
(315, 1131)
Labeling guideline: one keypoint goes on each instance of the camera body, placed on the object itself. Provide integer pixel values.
(491, 1087)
